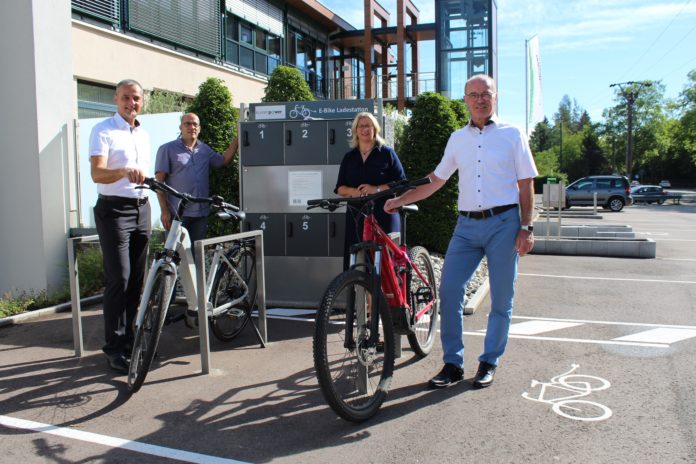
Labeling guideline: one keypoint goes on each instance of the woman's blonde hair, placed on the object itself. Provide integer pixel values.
(354, 138)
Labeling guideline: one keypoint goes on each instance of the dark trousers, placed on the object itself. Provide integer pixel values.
(197, 228)
(124, 231)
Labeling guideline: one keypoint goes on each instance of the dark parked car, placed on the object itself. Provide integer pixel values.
(652, 194)
(613, 192)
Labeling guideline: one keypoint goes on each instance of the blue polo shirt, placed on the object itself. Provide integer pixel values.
(188, 171)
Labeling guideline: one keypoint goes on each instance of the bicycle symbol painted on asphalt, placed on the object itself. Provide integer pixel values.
(572, 386)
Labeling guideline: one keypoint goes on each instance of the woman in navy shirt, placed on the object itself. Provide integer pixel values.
(368, 168)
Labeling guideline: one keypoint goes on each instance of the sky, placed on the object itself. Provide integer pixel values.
(585, 46)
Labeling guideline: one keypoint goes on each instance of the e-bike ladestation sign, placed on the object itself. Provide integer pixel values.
(290, 153)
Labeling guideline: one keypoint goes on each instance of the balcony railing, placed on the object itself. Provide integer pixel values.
(385, 87)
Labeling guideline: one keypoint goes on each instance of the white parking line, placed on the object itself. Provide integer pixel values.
(114, 442)
(540, 326)
(662, 334)
(618, 279)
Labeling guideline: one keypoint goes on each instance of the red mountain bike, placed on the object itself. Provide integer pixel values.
(388, 291)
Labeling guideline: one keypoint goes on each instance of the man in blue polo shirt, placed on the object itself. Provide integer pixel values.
(185, 164)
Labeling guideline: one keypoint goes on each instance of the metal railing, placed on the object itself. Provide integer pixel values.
(385, 87)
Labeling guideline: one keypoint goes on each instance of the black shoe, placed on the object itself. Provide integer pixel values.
(448, 375)
(117, 362)
(484, 375)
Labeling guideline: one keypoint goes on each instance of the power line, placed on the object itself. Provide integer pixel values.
(657, 38)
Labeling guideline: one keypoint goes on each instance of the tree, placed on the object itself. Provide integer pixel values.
(213, 105)
(287, 84)
(425, 137)
(541, 138)
(593, 153)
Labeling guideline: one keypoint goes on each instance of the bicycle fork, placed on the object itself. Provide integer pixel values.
(364, 344)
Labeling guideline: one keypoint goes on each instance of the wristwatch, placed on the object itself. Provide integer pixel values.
(527, 227)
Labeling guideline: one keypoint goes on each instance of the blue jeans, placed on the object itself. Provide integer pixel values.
(197, 228)
(494, 238)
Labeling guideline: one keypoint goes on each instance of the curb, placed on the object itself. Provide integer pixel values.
(39, 313)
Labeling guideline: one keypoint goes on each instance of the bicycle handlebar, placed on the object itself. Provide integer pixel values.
(395, 188)
(217, 201)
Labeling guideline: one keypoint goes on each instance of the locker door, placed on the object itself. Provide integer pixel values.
(339, 135)
(273, 227)
(261, 143)
(307, 234)
(337, 233)
(305, 142)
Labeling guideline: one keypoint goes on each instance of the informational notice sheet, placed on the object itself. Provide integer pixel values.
(303, 186)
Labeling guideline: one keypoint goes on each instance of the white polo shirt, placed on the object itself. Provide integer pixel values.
(490, 162)
(124, 147)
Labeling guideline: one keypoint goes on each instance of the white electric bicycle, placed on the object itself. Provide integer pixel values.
(231, 284)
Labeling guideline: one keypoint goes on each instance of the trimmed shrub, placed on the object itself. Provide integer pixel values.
(287, 84)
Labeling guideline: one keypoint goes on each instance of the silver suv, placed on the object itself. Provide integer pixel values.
(613, 192)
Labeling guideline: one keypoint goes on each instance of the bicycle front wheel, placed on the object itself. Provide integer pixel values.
(353, 374)
(148, 334)
(424, 302)
(229, 286)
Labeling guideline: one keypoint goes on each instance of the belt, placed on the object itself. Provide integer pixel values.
(123, 200)
(486, 213)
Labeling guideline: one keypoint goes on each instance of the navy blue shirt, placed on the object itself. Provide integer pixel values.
(188, 171)
(380, 168)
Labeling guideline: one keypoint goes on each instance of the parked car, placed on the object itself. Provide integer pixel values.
(649, 194)
(634, 183)
(666, 184)
(613, 192)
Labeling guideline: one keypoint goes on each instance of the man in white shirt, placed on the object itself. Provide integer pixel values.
(496, 206)
(119, 150)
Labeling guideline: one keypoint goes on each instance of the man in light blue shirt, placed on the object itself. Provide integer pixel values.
(185, 164)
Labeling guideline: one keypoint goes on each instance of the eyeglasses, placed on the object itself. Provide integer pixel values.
(365, 126)
(190, 123)
(485, 96)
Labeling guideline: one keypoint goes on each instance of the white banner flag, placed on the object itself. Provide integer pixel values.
(535, 107)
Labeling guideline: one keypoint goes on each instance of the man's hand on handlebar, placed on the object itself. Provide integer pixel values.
(392, 205)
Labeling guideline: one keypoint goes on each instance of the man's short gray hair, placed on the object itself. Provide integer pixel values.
(484, 78)
(129, 82)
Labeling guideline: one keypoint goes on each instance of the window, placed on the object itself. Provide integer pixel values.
(251, 47)
(94, 100)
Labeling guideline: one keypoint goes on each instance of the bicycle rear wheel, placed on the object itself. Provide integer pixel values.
(354, 377)
(422, 294)
(226, 287)
(148, 334)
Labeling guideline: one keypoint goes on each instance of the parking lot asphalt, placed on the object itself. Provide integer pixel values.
(625, 327)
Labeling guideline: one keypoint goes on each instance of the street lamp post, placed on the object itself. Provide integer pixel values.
(630, 94)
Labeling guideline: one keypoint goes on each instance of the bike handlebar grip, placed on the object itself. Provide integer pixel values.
(288, 137)
(423, 181)
(245, 138)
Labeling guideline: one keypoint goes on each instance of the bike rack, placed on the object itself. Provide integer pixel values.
(203, 296)
(75, 289)
(200, 284)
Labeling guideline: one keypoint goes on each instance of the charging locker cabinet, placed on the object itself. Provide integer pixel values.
(273, 227)
(290, 153)
(305, 142)
(259, 141)
(339, 135)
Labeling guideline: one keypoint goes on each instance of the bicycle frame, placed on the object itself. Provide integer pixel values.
(392, 269)
(177, 258)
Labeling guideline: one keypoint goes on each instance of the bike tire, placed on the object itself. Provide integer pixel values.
(354, 395)
(148, 334)
(231, 323)
(424, 329)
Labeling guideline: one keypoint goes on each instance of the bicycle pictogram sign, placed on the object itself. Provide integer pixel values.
(572, 386)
